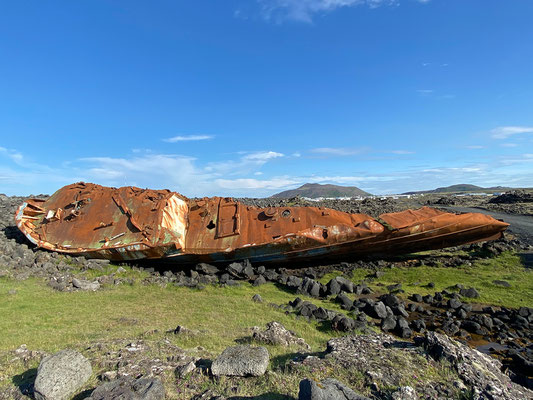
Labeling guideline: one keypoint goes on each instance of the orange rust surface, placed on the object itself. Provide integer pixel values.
(234, 225)
(132, 223)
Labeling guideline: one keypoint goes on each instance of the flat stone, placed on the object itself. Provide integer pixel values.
(130, 389)
(60, 375)
(207, 269)
(501, 283)
(241, 360)
(83, 284)
(328, 389)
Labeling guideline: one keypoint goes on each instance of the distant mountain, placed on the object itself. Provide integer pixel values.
(315, 190)
(463, 188)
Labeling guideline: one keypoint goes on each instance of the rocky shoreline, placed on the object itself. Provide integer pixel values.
(430, 320)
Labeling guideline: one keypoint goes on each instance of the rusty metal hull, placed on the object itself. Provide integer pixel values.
(129, 223)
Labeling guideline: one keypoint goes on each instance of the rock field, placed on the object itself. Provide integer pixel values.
(433, 320)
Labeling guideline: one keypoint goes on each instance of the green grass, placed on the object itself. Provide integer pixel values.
(45, 319)
(481, 274)
(48, 320)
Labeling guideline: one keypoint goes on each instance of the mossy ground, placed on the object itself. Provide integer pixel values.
(48, 320)
(481, 274)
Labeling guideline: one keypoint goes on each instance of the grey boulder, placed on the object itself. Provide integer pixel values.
(328, 389)
(85, 285)
(60, 375)
(130, 389)
(243, 360)
(276, 334)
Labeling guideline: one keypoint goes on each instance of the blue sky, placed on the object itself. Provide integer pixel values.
(251, 97)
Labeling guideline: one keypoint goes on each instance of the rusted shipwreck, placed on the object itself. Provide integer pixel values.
(129, 223)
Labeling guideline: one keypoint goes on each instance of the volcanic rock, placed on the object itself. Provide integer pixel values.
(276, 334)
(60, 375)
(126, 388)
(328, 389)
(241, 360)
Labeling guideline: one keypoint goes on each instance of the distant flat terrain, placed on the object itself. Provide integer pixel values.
(463, 188)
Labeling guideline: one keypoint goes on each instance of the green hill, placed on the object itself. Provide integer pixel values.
(315, 190)
(462, 188)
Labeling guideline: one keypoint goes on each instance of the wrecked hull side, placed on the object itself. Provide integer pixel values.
(129, 223)
(380, 247)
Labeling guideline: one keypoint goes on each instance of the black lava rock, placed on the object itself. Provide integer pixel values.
(470, 292)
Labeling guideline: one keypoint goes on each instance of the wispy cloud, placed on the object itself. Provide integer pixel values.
(176, 171)
(12, 154)
(475, 147)
(425, 92)
(401, 152)
(503, 132)
(245, 174)
(187, 138)
(247, 163)
(517, 159)
(250, 183)
(338, 151)
(304, 10)
(262, 156)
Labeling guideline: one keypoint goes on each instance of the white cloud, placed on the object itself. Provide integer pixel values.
(338, 151)
(304, 10)
(475, 147)
(262, 156)
(509, 145)
(243, 176)
(518, 159)
(503, 132)
(425, 92)
(247, 163)
(249, 183)
(151, 170)
(401, 152)
(446, 170)
(12, 154)
(187, 138)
